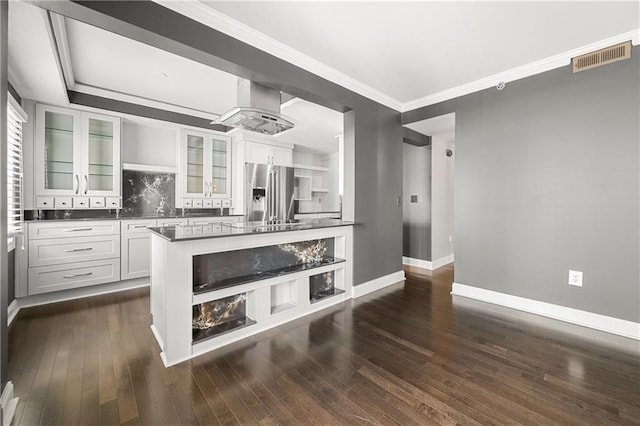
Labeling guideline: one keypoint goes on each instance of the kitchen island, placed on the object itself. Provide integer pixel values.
(213, 285)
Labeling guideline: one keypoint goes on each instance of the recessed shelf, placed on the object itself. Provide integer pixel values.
(230, 282)
(216, 317)
(309, 167)
(215, 331)
(323, 295)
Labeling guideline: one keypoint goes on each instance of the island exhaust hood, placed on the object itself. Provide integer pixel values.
(258, 110)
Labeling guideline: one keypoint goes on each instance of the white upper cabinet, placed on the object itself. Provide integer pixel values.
(206, 165)
(268, 154)
(77, 153)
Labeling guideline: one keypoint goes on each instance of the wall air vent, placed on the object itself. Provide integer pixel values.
(602, 57)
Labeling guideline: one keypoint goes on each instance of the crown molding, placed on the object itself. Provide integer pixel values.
(119, 96)
(528, 70)
(212, 18)
(59, 29)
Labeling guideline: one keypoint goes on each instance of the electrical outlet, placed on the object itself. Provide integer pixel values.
(414, 198)
(575, 278)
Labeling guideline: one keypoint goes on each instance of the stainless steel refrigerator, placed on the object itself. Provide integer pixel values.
(270, 193)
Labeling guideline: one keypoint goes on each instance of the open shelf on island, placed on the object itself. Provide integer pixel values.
(216, 317)
(263, 275)
(220, 270)
(218, 330)
(323, 295)
(283, 297)
(322, 286)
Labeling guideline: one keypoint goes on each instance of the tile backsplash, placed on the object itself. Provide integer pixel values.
(148, 194)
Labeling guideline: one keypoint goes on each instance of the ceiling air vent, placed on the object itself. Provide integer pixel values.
(602, 57)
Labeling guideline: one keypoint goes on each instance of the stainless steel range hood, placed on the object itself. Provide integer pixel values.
(258, 110)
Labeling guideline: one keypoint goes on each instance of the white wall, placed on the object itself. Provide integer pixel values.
(442, 196)
(149, 144)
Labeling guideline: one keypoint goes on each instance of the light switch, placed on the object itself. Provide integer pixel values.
(414, 198)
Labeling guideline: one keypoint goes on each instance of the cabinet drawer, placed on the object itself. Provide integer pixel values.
(197, 204)
(44, 202)
(171, 222)
(113, 202)
(226, 203)
(187, 204)
(62, 203)
(80, 202)
(136, 226)
(52, 251)
(45, 279)
(41, 230)
(96, 202)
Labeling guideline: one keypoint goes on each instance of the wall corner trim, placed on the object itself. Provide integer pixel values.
(378, 283)
(600, 322)
(12, 311)
(8, 404)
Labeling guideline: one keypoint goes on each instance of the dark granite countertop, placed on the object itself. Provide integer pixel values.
(196, 232)
(111, 217)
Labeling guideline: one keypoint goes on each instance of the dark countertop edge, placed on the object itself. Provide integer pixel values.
(323, 212)
(156, 231)
(84, 219)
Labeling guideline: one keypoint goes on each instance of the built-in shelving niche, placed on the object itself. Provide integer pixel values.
(283, 297)
(216, 317)
(220, 270)
(322, 286)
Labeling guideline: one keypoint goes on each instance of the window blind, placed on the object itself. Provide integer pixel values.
(15, 117)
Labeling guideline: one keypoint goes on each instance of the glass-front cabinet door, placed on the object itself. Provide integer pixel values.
(101, 155)
(206, 165)
(194, 154)
(58, 167)
(219, 182)
(77, 153)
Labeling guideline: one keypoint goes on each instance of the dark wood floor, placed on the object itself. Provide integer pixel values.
(404, 355)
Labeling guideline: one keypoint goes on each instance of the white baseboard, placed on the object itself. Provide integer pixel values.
(600, 322)
(8, 405)
(377, 284)
(427, 264)
(76, 293)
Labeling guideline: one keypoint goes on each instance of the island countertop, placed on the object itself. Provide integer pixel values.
(196, 232)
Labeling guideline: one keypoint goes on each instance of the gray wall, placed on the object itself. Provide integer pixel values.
(376, 134)
(547, 180)
(416, 217)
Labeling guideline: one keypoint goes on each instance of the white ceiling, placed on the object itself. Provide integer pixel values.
(401, 50)
(411, 50)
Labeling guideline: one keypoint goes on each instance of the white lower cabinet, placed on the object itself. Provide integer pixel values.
(136, 259)
(71, 254)
(135, 245)
(135, 248)
(45, 279)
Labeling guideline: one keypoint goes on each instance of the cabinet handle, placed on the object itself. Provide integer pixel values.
(139, 226)
(77, 184)
(79, 249)
(86, 184)
(77, 229)
(78, 275)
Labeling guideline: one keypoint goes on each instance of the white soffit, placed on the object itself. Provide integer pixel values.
(412, 54)
(442, 126)
(109, 65)
(33, 70)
